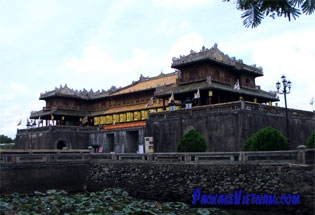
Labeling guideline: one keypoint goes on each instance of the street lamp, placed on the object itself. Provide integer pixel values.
(172, 105)
(286, 84)
(188, 104)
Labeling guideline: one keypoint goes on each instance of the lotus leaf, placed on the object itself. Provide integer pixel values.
(50, 192)
(107, 201)
(203, 211)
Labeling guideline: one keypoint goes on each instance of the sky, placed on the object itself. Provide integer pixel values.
(96, 44)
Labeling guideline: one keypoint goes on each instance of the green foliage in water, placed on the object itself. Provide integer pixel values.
(108, 201)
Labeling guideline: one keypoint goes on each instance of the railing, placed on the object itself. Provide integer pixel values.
(231, 107)
(57, 128)
(66, 107)
(26, 156)
(272, 157)
(301, 156)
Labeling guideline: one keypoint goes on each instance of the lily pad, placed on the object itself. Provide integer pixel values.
(203, 211)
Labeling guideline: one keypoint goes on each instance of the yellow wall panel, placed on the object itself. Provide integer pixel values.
(122, 117)
(102, 120)
(116, 118)
(96, 120)
(152, 110)
(109, 119)
(137, 115)
(144, 114)
(160, 109)
(129, 116)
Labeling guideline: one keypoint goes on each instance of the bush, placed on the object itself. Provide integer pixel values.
(192, 141)
(266, 139)
(248, 143)
(310, 141)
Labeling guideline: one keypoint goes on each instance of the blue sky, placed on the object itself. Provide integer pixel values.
(96, 44)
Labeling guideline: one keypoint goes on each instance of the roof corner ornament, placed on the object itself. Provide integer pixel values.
(142, 78)
(174, 59)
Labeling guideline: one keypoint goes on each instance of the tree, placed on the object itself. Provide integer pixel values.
(192, 141)
(256, 10)
(5, 139)
(266, 139)
(310, 141)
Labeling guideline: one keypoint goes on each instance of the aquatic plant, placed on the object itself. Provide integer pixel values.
(109, 201)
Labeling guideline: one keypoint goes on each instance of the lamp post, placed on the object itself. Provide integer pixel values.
(286, 84)
(188, 104)
(172, 105)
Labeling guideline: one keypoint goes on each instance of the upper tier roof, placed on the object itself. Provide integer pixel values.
(215, 55)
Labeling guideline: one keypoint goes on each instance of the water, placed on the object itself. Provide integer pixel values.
(109, 201)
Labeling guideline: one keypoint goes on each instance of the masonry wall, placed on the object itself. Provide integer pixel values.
(30, 177)
(176, 182)
(49, 137)
(227, 128)
(119, 140)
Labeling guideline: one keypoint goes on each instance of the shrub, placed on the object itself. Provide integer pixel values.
(248, 143)
(192, 141)
(310, 141)
(266, 139)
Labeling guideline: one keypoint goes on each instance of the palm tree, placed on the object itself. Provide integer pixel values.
(256, 10)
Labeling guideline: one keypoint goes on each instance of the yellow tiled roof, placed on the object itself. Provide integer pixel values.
(149, 84)
(132, 108)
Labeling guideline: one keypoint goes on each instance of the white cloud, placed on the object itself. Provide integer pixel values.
(98, 66)
(7, 96)
(20, 88)
(184, 44)
(184, 25)
(13, 111)
(112, 14)
(9, 118)
(290, 54)
(166, 28)
(36, 105)
(93, 60)
(180, 3)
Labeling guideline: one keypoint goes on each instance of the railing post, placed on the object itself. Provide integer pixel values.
(187, 157)
(241, 157)
(301, 154)
(113, 156)
(242, 105)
